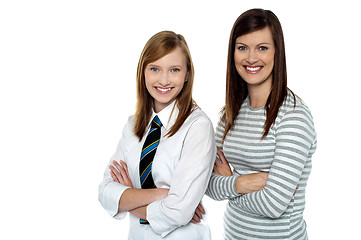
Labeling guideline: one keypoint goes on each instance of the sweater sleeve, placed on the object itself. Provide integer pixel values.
(221, 187)
(295, 142)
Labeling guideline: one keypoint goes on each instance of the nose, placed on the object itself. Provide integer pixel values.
(252, 57)
(164, 79)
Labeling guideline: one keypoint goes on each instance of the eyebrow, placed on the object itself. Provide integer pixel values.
(262, 43)
(173, 66)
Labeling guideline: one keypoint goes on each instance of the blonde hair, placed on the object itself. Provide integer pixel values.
(158, 46)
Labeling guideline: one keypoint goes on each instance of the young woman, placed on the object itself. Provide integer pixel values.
(265, 127)
(162, 181)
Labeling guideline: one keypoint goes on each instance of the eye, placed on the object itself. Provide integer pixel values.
(154, 69)
(242, 48)
(263, 48)
(175, 70)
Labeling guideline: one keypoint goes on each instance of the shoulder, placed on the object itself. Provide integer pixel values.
(129, 126)
(130, 121)
(198, 121)
(197, 115)
(294, 105)
(197, 128)
(295, 114)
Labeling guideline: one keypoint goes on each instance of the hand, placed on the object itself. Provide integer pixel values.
(221, 166)
(198, 214)
(120, 173)
(251, 182)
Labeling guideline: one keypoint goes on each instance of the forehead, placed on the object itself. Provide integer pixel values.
(263, 35)
(175, 57)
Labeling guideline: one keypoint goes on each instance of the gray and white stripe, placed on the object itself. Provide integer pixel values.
(276, 212)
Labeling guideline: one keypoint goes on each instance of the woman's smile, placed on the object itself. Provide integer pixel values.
(253, 69)
(164, 78)
(163, 90)
(254, 57)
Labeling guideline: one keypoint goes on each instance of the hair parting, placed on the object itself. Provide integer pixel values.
(158, 46)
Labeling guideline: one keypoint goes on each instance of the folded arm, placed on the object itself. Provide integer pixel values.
(189, 180)
(133, 198)
(295, 137)
(118, 196)
(232, 185)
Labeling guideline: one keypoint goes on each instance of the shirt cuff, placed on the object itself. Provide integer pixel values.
(157, 220)
(110, 199)
(230, 183)
(224, 186)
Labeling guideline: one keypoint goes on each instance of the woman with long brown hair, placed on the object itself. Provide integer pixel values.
(266, 134)
(161, 168)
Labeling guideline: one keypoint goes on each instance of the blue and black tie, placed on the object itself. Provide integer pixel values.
(146, 158)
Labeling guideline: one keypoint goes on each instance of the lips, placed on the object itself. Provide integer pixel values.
(163, 90)
(253, 69)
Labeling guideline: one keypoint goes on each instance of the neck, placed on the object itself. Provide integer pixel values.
(258, 95)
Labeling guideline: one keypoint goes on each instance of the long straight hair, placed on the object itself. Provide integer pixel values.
(236, 88)
(158, 46)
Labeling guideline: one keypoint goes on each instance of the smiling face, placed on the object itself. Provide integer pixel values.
(164, 78)
(254, 58)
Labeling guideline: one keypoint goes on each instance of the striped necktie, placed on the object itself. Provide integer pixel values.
(146, 158)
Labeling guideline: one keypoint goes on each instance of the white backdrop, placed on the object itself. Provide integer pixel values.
(67, 72)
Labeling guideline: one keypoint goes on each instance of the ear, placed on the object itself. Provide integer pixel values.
(186, 78)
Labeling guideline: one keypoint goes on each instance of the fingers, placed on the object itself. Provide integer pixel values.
(200, 207)
(117, 177)
(221, 166)
(221, 156)
(198, 214)
(121, 173)
(118, 166)
(216, 167)
(218, 159)
(117, 171)
(121, 169)
(195, 219)
(125, 167)
(113, 176)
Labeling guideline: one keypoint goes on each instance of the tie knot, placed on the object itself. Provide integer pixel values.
(156, 122)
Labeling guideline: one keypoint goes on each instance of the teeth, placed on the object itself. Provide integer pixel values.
(253, 69)
(163, 89)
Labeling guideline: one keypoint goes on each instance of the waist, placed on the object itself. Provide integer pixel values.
(190, 231)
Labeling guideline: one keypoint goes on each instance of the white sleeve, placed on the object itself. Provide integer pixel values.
(109, 192)
(189, 181)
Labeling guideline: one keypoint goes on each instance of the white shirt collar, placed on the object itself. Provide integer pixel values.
(166, 116)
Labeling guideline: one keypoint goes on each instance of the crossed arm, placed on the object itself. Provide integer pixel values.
(288, 173)
(136, 200)
(244, 184)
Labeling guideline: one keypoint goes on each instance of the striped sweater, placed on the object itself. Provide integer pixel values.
(276, 212)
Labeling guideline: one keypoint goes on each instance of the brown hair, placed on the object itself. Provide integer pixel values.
(158, 46)
(236, 88)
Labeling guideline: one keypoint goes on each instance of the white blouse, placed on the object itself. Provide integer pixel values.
(183, 163)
